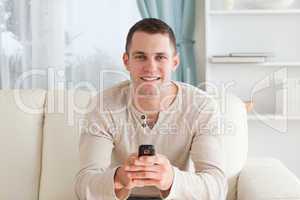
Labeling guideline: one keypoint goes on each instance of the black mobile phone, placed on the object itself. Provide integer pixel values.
(146, 150)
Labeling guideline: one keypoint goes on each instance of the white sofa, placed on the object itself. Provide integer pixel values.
(39, 133)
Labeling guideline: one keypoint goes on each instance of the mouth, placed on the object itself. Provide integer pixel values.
(150, 78)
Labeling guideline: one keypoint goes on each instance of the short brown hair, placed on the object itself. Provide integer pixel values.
(152, 26)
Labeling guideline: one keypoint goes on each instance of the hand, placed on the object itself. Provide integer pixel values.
(122, 177)
(145, 171)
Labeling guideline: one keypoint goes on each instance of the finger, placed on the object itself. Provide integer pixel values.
(156, 159)
(139, 162)
(131, 159)
(134, 155)
(152, 168)
(144, 175)
(148, 159)
(146, 182)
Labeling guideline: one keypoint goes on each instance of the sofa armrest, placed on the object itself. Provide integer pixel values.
(266, 179)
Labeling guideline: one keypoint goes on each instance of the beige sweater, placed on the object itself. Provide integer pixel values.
(187, 130)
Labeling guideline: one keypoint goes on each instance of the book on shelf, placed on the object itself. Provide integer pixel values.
(251, 54)
(237, 59)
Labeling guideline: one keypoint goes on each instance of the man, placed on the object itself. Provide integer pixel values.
(178, 119)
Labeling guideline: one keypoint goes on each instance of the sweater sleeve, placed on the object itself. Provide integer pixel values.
(208, 182)
(95, 180)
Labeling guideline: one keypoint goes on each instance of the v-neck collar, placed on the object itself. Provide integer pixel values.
(162, 116)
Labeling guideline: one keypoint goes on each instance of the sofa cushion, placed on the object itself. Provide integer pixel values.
(21, 125)
(267, 178)
(64, 111)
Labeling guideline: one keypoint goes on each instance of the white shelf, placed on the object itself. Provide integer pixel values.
(283, 64)
(266, 116)
(254, 12)
(267, 64)
(272, 117)
(264, 30)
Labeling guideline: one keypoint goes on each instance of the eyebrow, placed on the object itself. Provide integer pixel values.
(161, 53)
(143, 53)
(137, 52)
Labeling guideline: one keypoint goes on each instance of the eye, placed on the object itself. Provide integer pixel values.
(161, 57)
(140, 57)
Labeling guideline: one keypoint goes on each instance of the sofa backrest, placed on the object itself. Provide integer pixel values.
(63, 113)
(21, 126)
(29, 143)
(234, 128)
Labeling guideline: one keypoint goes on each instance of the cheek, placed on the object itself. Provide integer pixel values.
(136, 72)
(166, 72)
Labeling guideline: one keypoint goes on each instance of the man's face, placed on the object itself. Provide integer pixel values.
(150, 61)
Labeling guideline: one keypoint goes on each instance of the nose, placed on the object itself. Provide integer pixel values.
(151, 65)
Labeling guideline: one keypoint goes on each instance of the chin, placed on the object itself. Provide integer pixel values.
(150, 92)
(152, 89)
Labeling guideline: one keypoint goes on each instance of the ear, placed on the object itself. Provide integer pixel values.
(126, 61)
(176, 61)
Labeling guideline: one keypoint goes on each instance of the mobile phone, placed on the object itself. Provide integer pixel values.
(146, 150)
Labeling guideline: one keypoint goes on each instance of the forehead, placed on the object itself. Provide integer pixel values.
(151, 43)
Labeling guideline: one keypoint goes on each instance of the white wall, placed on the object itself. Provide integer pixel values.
(99, 30)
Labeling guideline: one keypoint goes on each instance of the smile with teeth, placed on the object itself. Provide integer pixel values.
(150, 78)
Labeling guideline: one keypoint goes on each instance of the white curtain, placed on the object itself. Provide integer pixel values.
(15, 40)
(63, 43)
(47, 17)
(32, 41)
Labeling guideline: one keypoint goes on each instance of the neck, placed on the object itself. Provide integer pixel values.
(153, 104)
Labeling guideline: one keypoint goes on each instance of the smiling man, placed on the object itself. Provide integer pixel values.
(179, 120)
